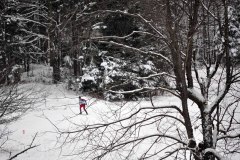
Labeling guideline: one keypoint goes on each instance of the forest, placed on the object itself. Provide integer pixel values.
(129, 51)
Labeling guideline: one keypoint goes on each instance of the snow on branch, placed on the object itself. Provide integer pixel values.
(24, 19)
(232, 136)
(215, 153)
(156, 75)
(68, 20)
(218, 99)
(125, 37)
(35, 34)
(206, 8)
(136, 49)
(194, 94)
(151, 25)
(26, 42)
(145, 89)
(167, 89)
(108, 11)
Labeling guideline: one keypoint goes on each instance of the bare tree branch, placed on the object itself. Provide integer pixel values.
(31, 146)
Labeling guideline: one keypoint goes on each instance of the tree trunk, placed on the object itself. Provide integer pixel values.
(76, 63)
(54, 44)
(55, 52)
(179, 71)
(3, 67)
(3, 60)
(193, 21)
(56, 70)
(207, 134)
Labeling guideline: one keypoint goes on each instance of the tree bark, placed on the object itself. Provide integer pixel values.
(179, 71)
(54, 45)
(193, 21)
(76, 63)
(56, 70)
(207, 134)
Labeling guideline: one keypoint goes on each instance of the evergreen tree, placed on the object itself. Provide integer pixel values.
(234, 30)
(19, 36)
(234, 34)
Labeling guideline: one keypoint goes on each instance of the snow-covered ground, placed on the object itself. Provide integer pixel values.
(56, 107)
(60, 108)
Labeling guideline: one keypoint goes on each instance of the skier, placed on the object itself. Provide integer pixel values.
(82, 104)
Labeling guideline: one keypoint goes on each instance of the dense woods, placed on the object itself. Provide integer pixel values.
(133, 49)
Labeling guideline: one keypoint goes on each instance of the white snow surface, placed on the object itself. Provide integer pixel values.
(59, 108)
